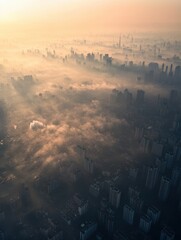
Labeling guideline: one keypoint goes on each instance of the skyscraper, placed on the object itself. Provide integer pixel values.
(145, 223)
(119, 44)
(114, 196)
(154, 214)
(110, 221)
(128, 214)
(164, 189)
(106, 217)
(140, 97)
(177, 74)
(151, 178)
(88, 165)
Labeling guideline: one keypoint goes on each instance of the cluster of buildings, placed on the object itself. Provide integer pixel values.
(94, 58)
(141, 201)
(144, 202)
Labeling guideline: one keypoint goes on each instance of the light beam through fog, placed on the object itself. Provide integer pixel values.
(90, 120)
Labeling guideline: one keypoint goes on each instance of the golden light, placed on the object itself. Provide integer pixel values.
(15, 9)
(9, 9)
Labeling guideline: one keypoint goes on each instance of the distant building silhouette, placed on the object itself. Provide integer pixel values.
(88, 165)
(140, 97)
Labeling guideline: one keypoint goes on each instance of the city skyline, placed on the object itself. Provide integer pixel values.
(90, 120)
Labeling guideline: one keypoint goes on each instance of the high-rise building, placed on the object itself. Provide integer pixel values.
(107, 59)
(145, 144)
(28, 78)
(152, 176)
(110, 221)
(102, 212)
(106, 217)
(119, 44)
(177, 74)
(114, 196)
(153, 66)
(82, 208)
(167, 234)
(139, 131)
(87, 230)
(140, 97)
(164, 189)
(135, 201)
(163, 65)
(154, 214)
(88, 165)
(145, 223)
(171, 71)
(128, 214)
(128, 97)
(166, 70)
(132, 191)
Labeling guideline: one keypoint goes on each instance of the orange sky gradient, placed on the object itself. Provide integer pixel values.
(80, 16)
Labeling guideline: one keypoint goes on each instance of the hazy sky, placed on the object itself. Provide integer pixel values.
(85, 15)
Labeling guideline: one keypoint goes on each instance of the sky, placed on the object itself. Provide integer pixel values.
(90, 15)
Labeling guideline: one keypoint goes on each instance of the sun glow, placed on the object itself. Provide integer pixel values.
(15, 9)
(89, 15)
(9, 9)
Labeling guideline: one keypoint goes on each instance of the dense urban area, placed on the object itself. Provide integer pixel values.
(90, 138)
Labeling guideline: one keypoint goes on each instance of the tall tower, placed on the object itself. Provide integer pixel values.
(171, 71)
(164, 189)
(114, 196)
(88, 165)
(110, 220)
(163, 66)
(145, 223)
(119, 44)
(152, 176)
(140, 97)
(128, 214)
(154, 214)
